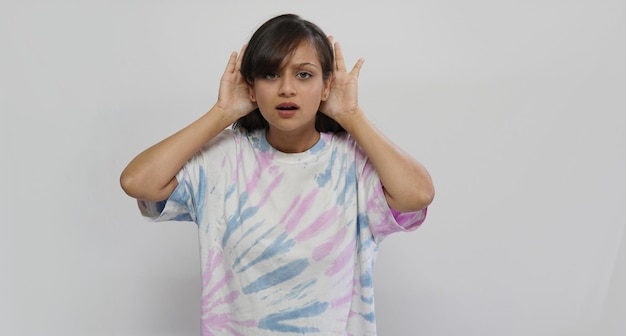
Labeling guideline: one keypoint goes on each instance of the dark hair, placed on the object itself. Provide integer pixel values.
(268, 47)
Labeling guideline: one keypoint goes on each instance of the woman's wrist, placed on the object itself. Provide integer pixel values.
(223, 117)
(352, 120)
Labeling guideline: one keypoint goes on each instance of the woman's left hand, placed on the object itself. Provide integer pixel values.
(342, 102)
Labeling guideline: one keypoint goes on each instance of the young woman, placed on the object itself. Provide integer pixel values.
(292, 201)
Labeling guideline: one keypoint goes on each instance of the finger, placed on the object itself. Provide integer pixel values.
(357, 67)
(340, 63)
(232, 62)
(240, 58)
(331, 41)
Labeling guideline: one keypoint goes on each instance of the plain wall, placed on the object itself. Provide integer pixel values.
(515, 107)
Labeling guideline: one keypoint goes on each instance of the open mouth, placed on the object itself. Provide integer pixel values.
(287, 107)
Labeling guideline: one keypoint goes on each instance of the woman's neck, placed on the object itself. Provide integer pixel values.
(296, 141)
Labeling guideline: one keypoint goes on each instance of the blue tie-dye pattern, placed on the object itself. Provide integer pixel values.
(321, 144)
(342, 166)
(180, 196)
(277, 276)
(324, 177)
(368, 300)
(366, 244)
(200, 195)
(229, 191)
(261, 143)
(348, 187)
(298, 291)
(235, 221)
(369, 317)
(251, 246)
(274, 292)
(278, 246)
(340, 183)
(185, 217)
(250, 230)
(362, 224)
(245, 252)
(275, 322)
(160, 205)
(366, 279)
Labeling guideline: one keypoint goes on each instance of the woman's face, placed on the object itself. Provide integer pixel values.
(290, 98)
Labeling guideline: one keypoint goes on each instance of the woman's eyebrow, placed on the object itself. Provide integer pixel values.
(303, 64)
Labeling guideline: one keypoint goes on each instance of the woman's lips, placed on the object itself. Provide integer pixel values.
(287, 109)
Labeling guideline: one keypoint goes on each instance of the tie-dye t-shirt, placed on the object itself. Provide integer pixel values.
(287, 241)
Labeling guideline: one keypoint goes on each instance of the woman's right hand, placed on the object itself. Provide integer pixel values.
(234, 93)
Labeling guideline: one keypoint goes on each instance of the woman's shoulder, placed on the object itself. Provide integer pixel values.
(231, 141)
(342, 140)
(229, 136)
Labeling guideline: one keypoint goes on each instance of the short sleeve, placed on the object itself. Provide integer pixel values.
(381, 219)
(178, 207)
(201, 175)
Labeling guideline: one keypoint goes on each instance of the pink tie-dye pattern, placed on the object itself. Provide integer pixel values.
(214, 258)
(411, 220)
(291, 208)
(382, 226)
(318, 224)
(235, 171)
(230, 298)
(325, 249)
(301, 210)
(225, 280)
(332, 245)
(271, 188)
(214, 324)
(264, 160)
(218, 323)
(342, 260)
(341, 301)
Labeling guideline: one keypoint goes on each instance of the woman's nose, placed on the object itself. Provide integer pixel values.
(286, 89)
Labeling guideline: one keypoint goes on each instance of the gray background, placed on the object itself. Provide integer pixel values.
(516, 108)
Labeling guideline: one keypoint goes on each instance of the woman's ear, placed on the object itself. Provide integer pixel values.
(251, 93)
(326, 90)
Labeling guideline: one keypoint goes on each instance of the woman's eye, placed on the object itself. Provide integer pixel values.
(304, 75)
(270, 76)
